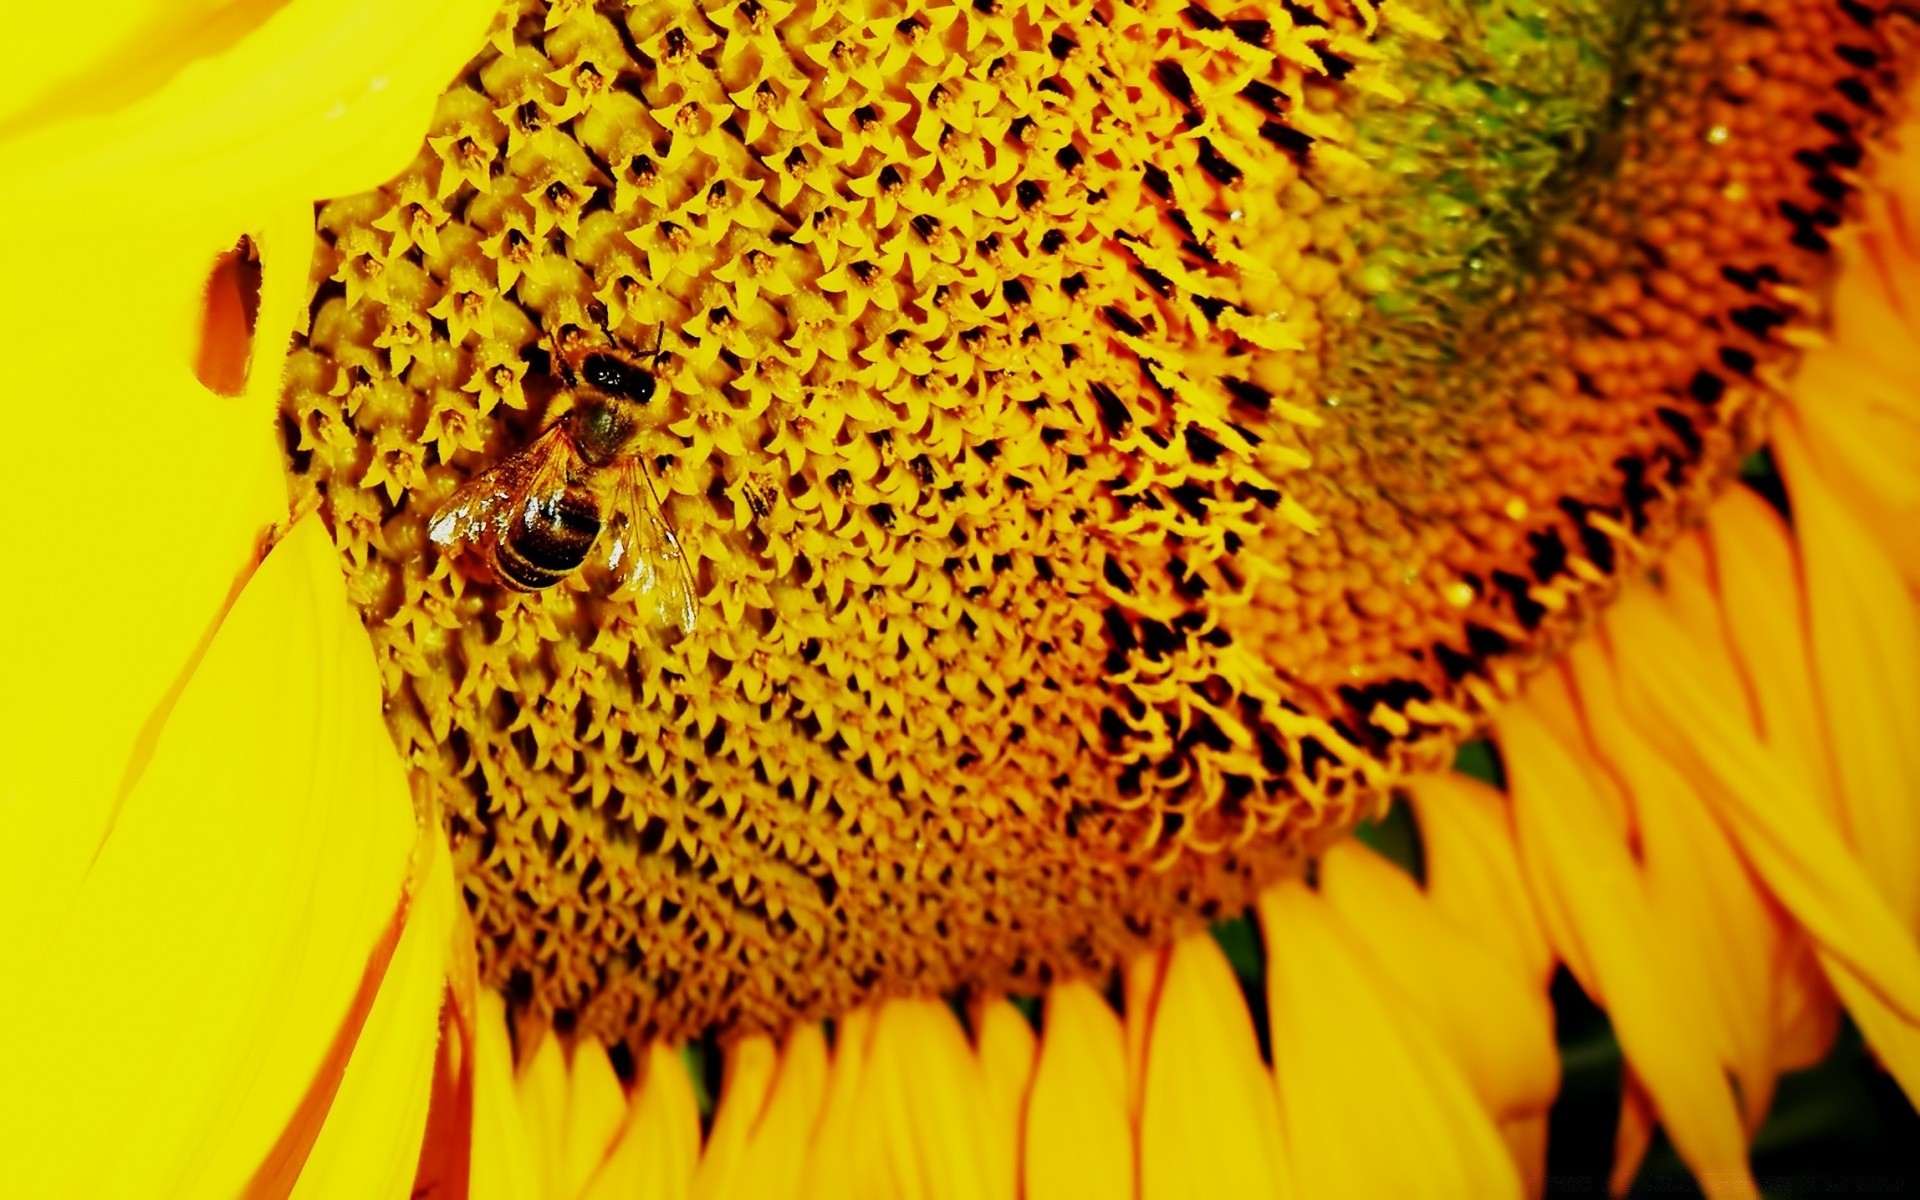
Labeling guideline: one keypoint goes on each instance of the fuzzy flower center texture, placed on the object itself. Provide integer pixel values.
(1108, 444)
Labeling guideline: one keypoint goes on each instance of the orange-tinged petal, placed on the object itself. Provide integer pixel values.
(1493, 1021)
(370, 1143)
(596, 1108)
(1473, 871)
(1006, 1049)
(1079, 1141)
(504, 1166)
(924, 1102)
(1699, 888)
(295, 109)
(1807, 1013)
(1140, 985)
(1781, 831)
(259, 857)
(655, 1155)
(1526, 1139)
(1580, 869)
(1854, 402)
(751, 1063)
(1754, 562)
(1209, 1121)
(1865, 634)
(1558, 919)
(1632, 1136)
(1347, 1056)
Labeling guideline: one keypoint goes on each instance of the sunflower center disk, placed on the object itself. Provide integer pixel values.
(1109, 443)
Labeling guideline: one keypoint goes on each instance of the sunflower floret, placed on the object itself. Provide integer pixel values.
(1081, 532)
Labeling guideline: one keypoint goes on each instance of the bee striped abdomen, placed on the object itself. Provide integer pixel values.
(548, 542)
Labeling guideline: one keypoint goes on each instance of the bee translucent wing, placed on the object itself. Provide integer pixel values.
(475, 512)
(644, 554)
(478, 514)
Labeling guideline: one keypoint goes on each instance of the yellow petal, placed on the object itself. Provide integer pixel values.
(370, 1143)
(1757, 574)
(1473, 871)
(238, 143)
(655, 1155)
(1855, 402)
(1209, 1122)
(841, 1139)
(1346, 1056)
(1781, 832)
(1006, 1052)
(596, 1108)
(751, 1063)
(1492, 1021)
(1140, 985)
(924, 1103)
(1079, 1142)
(1698, 887)
(771, 1162)
(224, 928)
(1632, 1136)
(1865, 633)
(1579, 869)
(503, 1165)
(540, 1088)
(318, 99)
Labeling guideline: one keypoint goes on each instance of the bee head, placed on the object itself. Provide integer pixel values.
(615, 376)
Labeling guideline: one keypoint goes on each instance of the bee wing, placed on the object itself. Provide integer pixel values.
(644, 554)
(480, 510)
(476, 511)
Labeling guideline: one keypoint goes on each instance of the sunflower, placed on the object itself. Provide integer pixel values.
(1078, 462)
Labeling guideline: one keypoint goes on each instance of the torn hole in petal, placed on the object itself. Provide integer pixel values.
(228, 318)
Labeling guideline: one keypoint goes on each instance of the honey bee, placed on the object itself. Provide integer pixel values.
(530, 520)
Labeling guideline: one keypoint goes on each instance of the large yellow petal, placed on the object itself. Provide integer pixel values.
(503, 1163)
(1864, 627)
(924, 1103)
(1866, 949)
(1209, 1122)
(223, 929)
(180, 484)
(540, 1088)
(1473, 871)
(1754, 561)
(1493, 1021)
(751, 1064)
(1006, 1048)
(1580, 869)
(656, 1153)
(1855, 400)
(1079, 1140)
(769, 1165)
(840, 1139)
(1701, 891)
(370, 1143)
(128, 49)
(1781, 833)
(596, 1108)
(1346, 1057)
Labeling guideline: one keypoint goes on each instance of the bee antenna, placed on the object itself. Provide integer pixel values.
(659, 337)
(598, 312)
